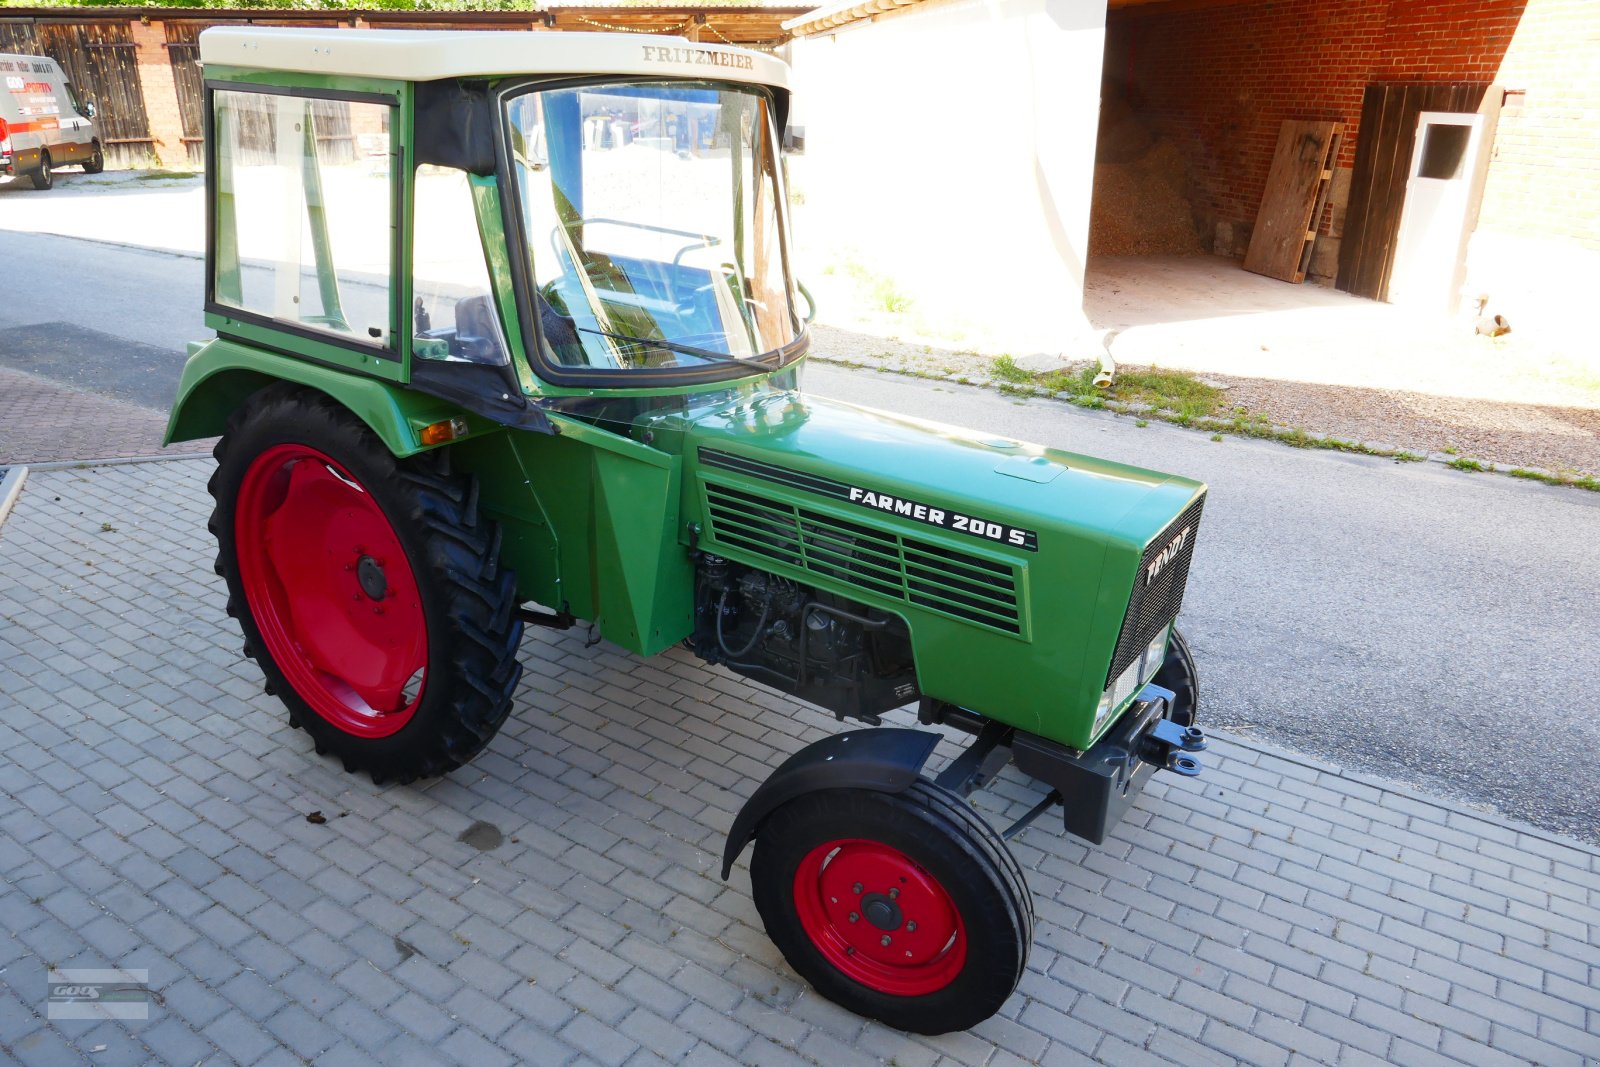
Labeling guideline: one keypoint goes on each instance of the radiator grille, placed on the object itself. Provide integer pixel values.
(948, 581)
(1156, 602)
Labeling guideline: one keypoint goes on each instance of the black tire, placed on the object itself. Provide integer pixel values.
(42, 178)
(941, 835)
(467, 599)
(1178, 674)
(95, 163)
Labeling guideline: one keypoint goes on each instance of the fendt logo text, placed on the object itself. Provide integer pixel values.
(1167, 554)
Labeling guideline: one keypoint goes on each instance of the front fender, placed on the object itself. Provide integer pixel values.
(885, 759)
(221, 375)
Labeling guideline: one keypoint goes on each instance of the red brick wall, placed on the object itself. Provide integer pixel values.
(1220, 79)
(160, 94)
(1544, 175)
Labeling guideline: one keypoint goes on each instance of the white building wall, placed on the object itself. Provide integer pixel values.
(950, 154)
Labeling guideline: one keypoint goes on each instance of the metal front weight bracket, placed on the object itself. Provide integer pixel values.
(1168, 745)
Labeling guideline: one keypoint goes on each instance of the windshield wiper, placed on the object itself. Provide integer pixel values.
(688, 350)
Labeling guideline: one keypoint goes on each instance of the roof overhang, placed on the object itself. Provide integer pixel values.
(842, 13)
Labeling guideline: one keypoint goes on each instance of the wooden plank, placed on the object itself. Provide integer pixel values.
(1383, 214)
(1278, 241)
(1361, 186)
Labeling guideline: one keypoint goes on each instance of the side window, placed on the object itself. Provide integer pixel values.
(453, 315)
(305, 212)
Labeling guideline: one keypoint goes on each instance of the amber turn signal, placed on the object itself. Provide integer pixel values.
(439, 433)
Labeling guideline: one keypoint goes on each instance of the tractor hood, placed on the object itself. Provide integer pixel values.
(913, 474)
(1014, 565)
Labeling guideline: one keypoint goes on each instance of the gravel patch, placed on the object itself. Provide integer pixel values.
(1551, 437)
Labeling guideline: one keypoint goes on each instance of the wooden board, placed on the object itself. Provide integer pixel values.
(1378, 185)
(1301, 168)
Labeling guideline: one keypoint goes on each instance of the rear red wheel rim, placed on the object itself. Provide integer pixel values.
(893, 899)
(331, 590)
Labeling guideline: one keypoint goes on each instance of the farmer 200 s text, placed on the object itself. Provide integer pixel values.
(506, 335)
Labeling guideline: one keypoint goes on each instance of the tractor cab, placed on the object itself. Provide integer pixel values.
(448, 220)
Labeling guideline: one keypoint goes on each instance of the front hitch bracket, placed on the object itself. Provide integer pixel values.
(1168, 746)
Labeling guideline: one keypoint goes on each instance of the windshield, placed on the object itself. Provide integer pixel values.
(652, 222)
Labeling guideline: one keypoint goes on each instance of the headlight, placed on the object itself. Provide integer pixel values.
(1132, 680)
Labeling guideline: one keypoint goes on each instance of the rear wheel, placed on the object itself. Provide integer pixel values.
(368, 588)
(1178, 674)
(95, 163)
(42, 178)
(904, 907)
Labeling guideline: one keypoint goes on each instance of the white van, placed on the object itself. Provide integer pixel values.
(42, 122)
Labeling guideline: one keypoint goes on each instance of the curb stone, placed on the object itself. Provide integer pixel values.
(11, 480)
(116, 461)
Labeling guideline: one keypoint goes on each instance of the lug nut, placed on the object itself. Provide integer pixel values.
(911, 927)
(894, 894)
(854, 917)
(885, 941)
(857, 888)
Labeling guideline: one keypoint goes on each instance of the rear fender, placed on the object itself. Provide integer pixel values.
(221, 375)
(886, 760)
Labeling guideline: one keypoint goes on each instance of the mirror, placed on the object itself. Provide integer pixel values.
(90, 110)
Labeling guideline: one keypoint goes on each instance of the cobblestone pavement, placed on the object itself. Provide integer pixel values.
(557, 900)
(44, 421)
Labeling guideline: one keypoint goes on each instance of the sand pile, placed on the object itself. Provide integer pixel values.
(1139, 206)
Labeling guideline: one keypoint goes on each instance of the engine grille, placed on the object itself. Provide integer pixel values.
(1156, 600)
(930, 576)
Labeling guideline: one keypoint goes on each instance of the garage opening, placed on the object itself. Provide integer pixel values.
(1280, 138)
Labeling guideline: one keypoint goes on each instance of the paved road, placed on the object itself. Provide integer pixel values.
(1406, 620)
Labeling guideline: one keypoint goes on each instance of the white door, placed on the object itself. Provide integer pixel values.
(1433, 221)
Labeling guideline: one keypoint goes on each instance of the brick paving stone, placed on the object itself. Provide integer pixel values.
(153, 799)
(45, 420)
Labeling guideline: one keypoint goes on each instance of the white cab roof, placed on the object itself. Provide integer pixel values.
(424, 55)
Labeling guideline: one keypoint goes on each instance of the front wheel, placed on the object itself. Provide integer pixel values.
(42, 178)
(368, 588)
(1178, 674)
(903, 907)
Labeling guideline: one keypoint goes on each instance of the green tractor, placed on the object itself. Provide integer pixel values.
(507, 336)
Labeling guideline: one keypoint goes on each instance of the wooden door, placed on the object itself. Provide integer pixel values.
(19, 37)
(99, 59)
(1389, 113)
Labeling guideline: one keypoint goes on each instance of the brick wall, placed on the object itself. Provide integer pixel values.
(1544, 175)
(1220, 79)
(160, 92)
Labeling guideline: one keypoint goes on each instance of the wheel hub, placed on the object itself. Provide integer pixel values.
(355, 650)
(369, 572)
(880, 917)
(880, 911)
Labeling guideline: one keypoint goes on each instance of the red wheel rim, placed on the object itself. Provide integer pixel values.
(891, 899)
(331, 590)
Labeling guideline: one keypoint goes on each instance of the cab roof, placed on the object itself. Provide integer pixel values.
(427, 55)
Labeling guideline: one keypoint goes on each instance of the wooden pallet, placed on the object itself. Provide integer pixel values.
(1297, 191)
